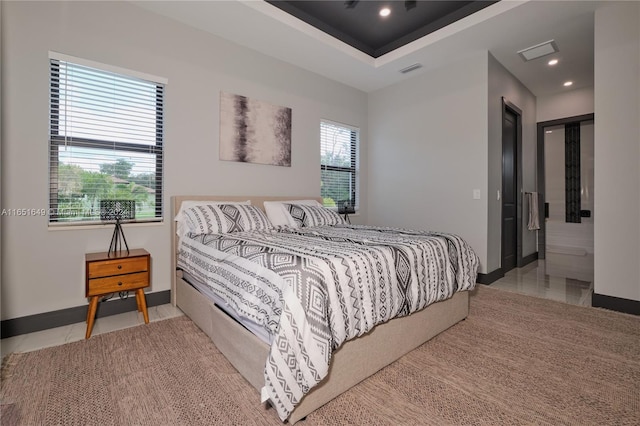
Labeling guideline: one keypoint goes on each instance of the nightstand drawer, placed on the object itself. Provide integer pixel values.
(99, 286)
(107, 268)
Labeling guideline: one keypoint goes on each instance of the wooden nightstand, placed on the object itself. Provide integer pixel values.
(114, 272)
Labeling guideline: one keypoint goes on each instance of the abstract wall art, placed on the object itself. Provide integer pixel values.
(254, 131)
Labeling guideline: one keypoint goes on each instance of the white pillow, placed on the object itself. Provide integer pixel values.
(181, 229)
(278, 213)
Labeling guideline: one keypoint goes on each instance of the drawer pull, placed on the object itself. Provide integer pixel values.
(119, 266)
(119, 282)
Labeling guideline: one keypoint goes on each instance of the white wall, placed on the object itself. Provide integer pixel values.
(428, 152)
(617, 150)
(43, 270)
(566, 104)
(502, 84)
(443, 129)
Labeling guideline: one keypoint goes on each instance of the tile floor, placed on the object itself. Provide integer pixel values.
(74, 332)
(562, 277)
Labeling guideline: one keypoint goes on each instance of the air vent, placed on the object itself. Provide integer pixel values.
(410, 68)
(539, 50)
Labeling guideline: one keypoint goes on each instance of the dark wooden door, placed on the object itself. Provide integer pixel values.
(509, 190)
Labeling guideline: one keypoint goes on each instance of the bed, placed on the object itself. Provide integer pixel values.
(357, 354)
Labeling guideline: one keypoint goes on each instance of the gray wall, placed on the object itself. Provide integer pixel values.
(617, 150)
(443, 130)
(565, 104)
(43, 269)
(428, 152)
(502, 84)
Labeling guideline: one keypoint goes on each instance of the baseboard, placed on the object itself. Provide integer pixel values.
(528, 259)
(619, 304)
(47, 320)
(498, 273)
(490, 277)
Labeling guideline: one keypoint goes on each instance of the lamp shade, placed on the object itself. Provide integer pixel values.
(117, 210)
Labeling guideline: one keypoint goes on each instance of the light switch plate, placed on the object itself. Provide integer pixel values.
(476, 194)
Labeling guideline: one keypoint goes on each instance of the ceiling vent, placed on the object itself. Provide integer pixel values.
(539, 50)
(410, 68)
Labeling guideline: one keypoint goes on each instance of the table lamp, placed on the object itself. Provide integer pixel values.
(117, 211)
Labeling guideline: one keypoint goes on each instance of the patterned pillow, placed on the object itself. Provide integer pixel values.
(313, 215)
(278, 213)
(181, 227)
(224, 218)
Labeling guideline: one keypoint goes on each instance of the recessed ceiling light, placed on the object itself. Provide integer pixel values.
(385, 11)
(553, 62)
(568, 83)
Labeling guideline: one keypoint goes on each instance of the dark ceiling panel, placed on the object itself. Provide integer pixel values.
(359, 24)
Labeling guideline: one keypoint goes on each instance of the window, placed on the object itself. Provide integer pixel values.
(105, 140)
(339, 163)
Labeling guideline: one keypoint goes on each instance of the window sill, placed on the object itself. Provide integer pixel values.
(104, 226)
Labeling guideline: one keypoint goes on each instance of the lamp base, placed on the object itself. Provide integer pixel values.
(117, 239)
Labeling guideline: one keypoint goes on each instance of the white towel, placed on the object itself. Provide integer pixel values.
(534, 221)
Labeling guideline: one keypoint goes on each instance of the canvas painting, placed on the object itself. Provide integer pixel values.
(253, 131)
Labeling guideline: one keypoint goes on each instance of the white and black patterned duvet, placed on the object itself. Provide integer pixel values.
(314, 288)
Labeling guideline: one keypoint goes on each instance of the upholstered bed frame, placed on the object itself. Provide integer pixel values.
(353, 362)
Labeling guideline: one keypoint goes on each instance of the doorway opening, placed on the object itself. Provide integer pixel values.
(565, 181)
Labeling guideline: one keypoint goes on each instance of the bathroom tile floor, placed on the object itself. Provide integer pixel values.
(562, 277)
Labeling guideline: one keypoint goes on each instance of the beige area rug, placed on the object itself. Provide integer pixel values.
(515, 360)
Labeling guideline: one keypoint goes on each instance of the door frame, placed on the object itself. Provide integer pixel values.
(541, 126)
(507, 105)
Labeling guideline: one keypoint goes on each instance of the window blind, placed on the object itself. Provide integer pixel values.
(105, 142)
(339, 163)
